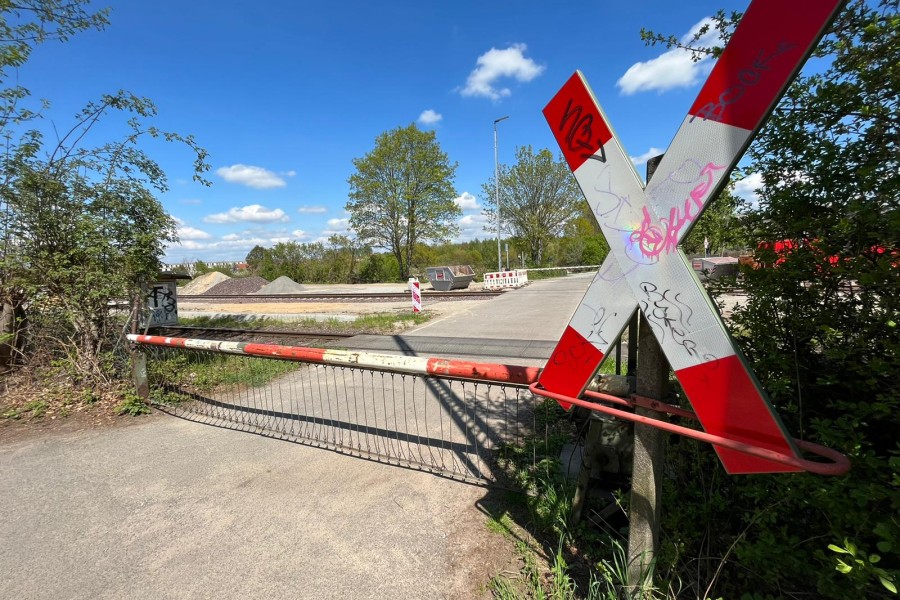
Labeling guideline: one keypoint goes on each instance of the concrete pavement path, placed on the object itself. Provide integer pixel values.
(175, 509)
(168, 508)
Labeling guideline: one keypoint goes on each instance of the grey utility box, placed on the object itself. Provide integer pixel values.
(455, 277)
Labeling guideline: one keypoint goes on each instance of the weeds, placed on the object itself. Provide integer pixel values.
(33, 410)
(207, 371)
(132, 405)
(599, 566)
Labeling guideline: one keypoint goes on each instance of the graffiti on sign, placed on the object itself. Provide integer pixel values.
(162, 302)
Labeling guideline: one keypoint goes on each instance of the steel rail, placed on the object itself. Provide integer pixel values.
(164, 329)
(429, 295)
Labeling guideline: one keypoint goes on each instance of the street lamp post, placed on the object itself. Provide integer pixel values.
(497, 192)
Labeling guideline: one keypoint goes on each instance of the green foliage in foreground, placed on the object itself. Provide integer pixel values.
(820, 329)
(132, 405)
(546, 510)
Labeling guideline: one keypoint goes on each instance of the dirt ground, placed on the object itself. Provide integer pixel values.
(274, 309)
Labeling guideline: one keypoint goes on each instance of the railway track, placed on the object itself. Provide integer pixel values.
(335, 297)
(239, 334)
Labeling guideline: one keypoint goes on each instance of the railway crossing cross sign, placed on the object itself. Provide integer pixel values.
(645, 269)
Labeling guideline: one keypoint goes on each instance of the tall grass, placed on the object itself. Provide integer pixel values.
(374, 323)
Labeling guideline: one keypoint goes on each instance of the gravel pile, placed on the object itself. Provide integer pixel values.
(282, 285)
(201, 283)
(237, 286)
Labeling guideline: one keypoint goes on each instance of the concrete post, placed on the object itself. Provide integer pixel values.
(649, 454)
(591, 448)
(139, 370)
(138, 356)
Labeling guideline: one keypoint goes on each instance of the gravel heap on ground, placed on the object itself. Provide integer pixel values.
(282, 285)
(238, 285)
(201, 283)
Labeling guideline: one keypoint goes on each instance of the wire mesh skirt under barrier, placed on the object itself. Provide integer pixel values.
(456, 428)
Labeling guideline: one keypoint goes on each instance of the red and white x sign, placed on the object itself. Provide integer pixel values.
(645, 269)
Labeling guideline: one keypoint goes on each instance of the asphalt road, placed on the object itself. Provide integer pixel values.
(167, 508)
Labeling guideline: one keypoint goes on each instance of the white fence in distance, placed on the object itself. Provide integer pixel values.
(505, 279)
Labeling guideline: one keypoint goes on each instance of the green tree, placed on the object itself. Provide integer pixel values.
(821, 332)
(402, 194)
(342, 256)
(23, 26)
(538, 197)
(256, 257)
(26, 24)
(79, 226)
(583, 242)
(200, 267)
(721, 225)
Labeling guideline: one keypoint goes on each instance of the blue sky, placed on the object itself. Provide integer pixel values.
(284, 95)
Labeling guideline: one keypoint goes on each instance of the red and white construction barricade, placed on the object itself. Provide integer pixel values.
(416, 292)
(505, 279)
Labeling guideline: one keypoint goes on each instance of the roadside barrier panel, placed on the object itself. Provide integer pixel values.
(416, 294)
(505, 279)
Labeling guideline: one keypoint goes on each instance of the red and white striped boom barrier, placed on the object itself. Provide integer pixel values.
(416, 365)
(500, 374)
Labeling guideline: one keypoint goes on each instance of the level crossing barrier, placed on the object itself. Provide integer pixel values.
(459, 419)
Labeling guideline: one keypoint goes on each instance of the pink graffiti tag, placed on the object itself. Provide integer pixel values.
(655, 239)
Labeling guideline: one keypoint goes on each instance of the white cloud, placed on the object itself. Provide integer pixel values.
(467, 202)
(748, 187)
(241, 242)
(191, 233)
(495, 64)
(430, 117)
(188, 245)
(290, 173)
(312, 209)
(672, 69)
(253, 213)
(643, 158)
(476, 225)
(255, 177)
(337, 226)
(299, 233)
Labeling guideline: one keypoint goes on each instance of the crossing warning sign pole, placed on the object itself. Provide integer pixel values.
(646, 272)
